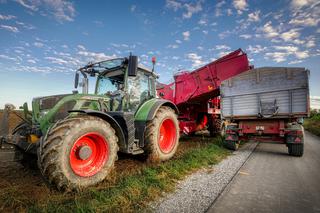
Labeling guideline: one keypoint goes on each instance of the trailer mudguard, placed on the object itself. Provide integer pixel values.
(146, 112)
(113, 122)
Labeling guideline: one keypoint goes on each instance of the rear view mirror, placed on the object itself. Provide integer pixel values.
(132, 65)
(76, 80)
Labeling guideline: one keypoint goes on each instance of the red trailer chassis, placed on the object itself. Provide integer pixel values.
(197, 93)
(289, 132)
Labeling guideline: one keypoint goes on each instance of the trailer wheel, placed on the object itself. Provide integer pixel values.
(296, 149)
(232, 145)
(78, 152)
(162, 135)
(215, 126)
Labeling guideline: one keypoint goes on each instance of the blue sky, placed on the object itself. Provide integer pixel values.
(44, 41)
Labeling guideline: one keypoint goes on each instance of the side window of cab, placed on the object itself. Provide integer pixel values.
(138, 90)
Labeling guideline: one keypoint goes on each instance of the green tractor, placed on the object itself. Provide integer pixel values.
(76, 137)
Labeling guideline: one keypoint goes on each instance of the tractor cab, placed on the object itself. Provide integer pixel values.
(126, 83)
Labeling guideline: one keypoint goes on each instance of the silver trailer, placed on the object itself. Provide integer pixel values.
(268, 101)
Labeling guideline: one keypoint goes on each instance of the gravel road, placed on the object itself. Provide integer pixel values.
(273, 181)
(198, 191)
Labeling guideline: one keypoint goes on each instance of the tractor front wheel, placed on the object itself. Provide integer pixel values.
(78, 152)
(162, 135)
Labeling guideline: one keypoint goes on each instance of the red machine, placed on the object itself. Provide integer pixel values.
(197, 93)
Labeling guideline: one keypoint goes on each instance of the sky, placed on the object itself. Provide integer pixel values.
(43, 42)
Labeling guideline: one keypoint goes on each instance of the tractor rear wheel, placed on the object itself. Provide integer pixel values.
(78, 152)
(162, 135)
(295, 149)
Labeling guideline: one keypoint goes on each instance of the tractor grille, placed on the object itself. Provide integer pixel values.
(49, 102)
(63, 110)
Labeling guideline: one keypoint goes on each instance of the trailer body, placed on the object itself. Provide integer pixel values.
(196, 93)
(268, 104)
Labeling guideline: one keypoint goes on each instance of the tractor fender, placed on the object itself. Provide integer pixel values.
(147, 112)
(149, 109)
(113, 122)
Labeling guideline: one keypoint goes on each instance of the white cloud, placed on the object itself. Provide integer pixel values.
(256, 49)
(55, 60)
(229, 12)
(9, 28)
(301, 3)
(286, 51)
(31, 61)
(222, 47)
(191, 9)
(200, 48)
(173, 46)
(254, 17)
(172, 4)
(26, 26)
(133, 8)
(218, 11)
(62, 10)
(245, 36)
(289, 49)
(93, 56)
(7, 17)
(307, 21)
(205, 32)
(7, 57)
(269, 30)
(178, 41)
(311, 43)
(290, 35)
(240, 5)
(38, 44)
(186, 35)
(81, 47)
(277, 56)
(195, 59)
(223, 53)
(295, 62)
(203, 22)
(302, 54)
(32, 6)
(305, 13)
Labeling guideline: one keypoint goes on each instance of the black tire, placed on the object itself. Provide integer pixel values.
(232, 145)
(154, 149)
(296, 149)
(214, 126)
(59, 145)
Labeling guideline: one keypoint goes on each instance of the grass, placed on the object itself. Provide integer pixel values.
(132, 193)
(312, 124)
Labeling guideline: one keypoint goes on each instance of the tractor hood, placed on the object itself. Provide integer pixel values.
(49, 109)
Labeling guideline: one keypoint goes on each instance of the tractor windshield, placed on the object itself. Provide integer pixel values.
(107, 65)
(110, 83)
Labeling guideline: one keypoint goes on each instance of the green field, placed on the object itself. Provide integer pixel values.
(312, 124)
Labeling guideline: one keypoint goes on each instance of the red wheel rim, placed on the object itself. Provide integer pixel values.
(89, 154)
(167, 135)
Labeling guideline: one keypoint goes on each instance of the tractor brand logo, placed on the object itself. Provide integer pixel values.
(210, 87)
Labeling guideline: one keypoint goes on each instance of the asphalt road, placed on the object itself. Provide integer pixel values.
(273, 181)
